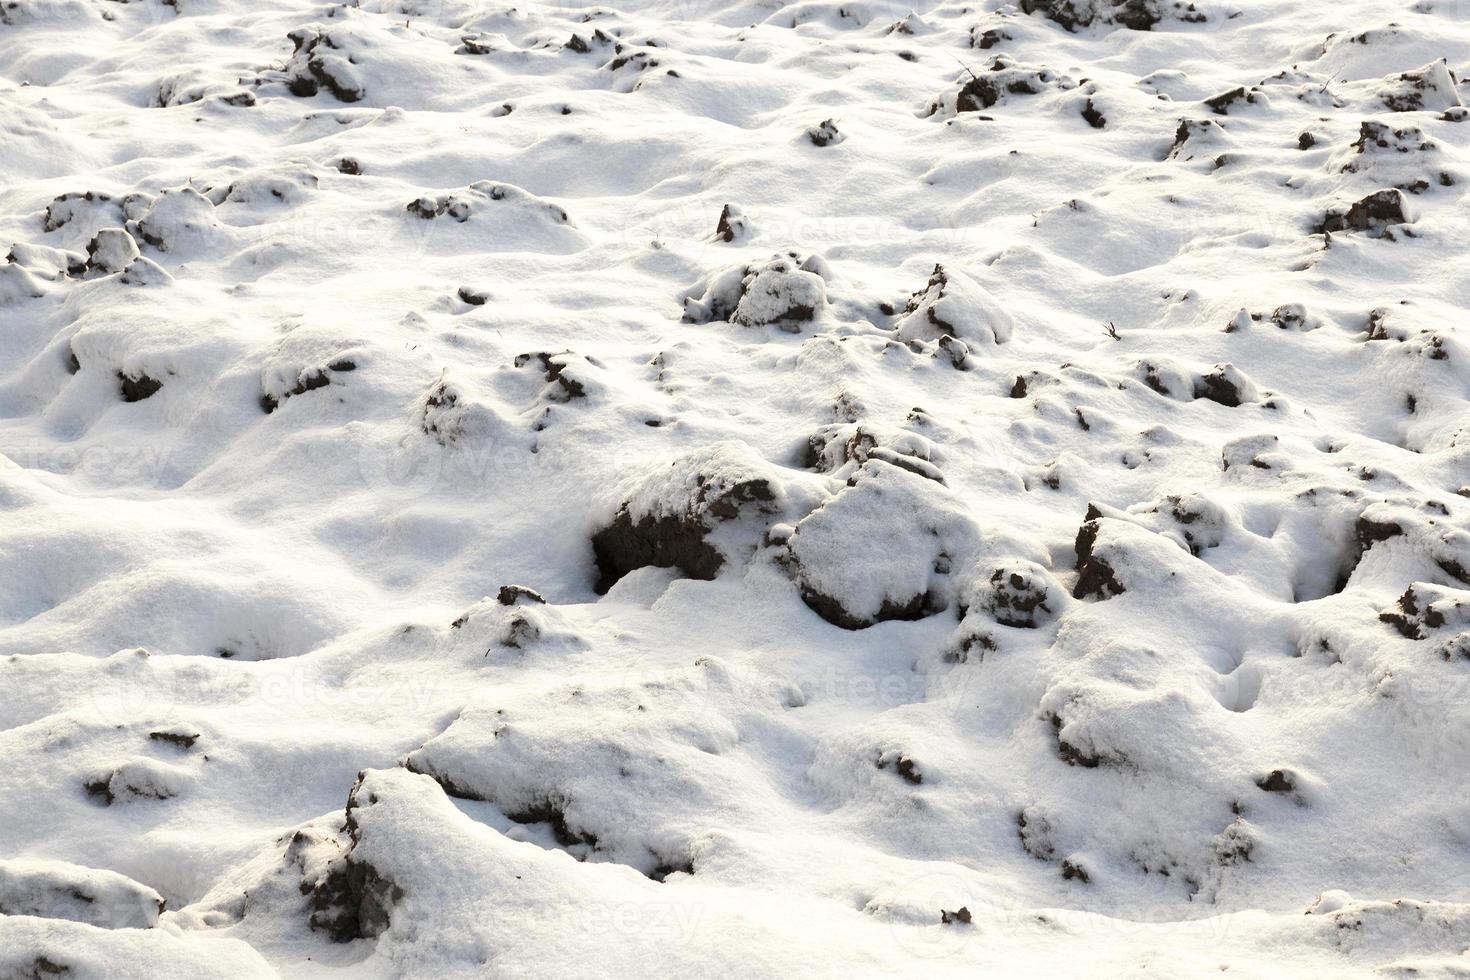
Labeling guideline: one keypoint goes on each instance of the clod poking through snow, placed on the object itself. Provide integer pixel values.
(1373, 214)
(840, 448)
(1197, 138)
(137, 779)
(136, 387)
(1135, 15)
(785, 291)
(1425, 608)
(111, 250)
(1096, 576)
(1002, 78)
(566, 374)
(318, 61)
(952, 304)
(307, 379)
(1222, 104)
(1018, 594)
(1226, 385)
(175, 218)
(1433, 87)
(352, 900)
(666, 520)
(733, 226)
(825, 134)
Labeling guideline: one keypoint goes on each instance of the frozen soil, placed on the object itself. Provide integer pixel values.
(734, 488)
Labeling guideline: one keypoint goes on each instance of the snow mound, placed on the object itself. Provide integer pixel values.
(587, 776)
(954, 305)
(1433, 88)
(785, 291)
(881, 549)
(44, 948)
(757, 488)
(1001, 79)
(840, 449)
(58, 890)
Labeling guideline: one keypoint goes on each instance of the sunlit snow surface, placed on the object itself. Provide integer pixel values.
(997, 478)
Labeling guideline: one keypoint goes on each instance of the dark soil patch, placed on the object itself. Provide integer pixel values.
(135, 388)
(1374, 213)
(1096, 578)
(177, 739)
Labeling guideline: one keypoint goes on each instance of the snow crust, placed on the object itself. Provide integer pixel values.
(734, 487)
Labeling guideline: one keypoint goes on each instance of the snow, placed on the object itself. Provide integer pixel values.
(882, 548)
(739, 487)
(57, 890)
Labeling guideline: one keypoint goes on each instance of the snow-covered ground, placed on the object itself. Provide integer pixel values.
(734, 488)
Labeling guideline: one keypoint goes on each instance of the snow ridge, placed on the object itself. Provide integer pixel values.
(752, 486)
